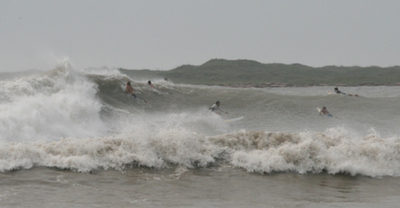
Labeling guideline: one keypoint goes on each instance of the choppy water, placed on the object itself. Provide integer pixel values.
(75, 135)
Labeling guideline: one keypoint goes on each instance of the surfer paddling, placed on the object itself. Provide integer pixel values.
(337, 91)
(324, 111)
(215, 108)
(129, 89)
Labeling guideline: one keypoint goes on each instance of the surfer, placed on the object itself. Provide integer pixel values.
(325, 112)
(215, 107)
(340, 92)
(129, 89)
(151, 85)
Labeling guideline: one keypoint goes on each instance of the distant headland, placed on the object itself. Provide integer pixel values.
(249, 73)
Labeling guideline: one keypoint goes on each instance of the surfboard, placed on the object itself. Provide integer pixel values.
(319, 110)
(333, 93)
(234, 119)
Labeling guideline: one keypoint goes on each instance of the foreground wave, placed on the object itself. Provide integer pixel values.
(264, 152)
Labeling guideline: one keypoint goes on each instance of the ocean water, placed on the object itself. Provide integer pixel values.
(73, 138)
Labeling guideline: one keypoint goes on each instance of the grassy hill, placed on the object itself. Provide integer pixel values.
(242, 72)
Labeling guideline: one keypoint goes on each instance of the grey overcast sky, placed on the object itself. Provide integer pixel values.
(37, 34)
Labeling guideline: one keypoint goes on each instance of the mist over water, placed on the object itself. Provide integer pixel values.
(83, 120)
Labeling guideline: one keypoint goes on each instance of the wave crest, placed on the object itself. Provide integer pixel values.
(266, 152)
(262, 152)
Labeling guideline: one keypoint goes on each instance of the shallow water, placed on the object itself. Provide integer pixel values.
(179, 186)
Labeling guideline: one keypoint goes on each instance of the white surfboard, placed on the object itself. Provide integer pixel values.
(319, 110)
(234, 119)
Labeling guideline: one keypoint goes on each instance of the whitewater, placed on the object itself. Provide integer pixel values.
(77, 136)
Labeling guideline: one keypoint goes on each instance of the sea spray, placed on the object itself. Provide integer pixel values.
(49, 106)
(313, 152)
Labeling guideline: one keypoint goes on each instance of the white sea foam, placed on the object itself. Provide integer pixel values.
(266, 152)
(263, 152)
(49, 106)
(104, 71)
(173, 146)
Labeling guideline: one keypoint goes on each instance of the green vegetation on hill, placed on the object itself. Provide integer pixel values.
(241, 72)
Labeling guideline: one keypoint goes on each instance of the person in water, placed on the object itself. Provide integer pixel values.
(325, 112)
(129, 89)
(337, 91)
(151, 85)
(215, 108)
